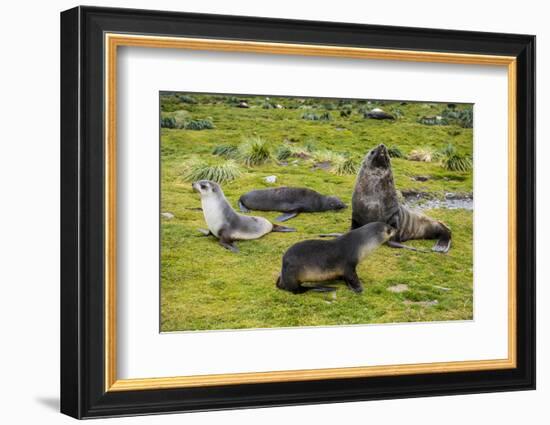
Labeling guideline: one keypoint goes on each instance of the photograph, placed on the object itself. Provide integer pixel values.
(281, 212)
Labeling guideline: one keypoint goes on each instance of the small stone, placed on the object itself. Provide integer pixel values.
(270, 179)
(167, 215)
(420, 178)
(400, 287)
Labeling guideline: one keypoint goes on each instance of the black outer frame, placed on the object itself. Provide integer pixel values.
(82, 214)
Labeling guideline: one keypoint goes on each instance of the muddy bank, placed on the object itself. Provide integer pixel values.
(427, 201)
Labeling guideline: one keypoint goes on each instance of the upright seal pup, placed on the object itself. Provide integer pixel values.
(321, 260)
(289, 200)
(227, 225)
(375, 199)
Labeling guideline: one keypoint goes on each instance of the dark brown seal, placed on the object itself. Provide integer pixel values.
(322, 260)
(375, 199)
(289, 200)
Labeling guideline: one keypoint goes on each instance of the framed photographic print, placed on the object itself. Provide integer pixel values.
(261, 212)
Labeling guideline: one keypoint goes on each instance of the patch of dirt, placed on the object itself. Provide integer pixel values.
(400, 287)
(323, 165)
(427, 201)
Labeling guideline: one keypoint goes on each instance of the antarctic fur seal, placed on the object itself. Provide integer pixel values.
(227, 225)
(378, 114)
(375, 199)
(289, 200)
(321, 260)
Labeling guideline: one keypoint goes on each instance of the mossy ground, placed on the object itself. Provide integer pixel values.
(205, 287)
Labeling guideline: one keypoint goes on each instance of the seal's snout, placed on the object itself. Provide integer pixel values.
(380, 157)
(195, 187)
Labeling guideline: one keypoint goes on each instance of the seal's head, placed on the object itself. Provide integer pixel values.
(207, 188)
(334, 203)
(378, 158)
(374, 234)
(383, 232)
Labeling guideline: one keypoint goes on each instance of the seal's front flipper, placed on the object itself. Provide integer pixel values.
(229, 245)
(286, 216)
(205, 232)
(394, 244)
(330, 235)
(277, 228)
(442, 245)
(243, 208)
(353, 281)
(226, 241)
(321, 288)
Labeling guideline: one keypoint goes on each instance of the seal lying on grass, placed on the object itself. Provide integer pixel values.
(321, 260)
(375, 199)
(289, 200)
(227, 225)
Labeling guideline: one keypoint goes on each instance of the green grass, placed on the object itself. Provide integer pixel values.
(204, 286)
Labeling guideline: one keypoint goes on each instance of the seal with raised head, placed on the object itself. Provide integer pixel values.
(289, 200)
(322, 260)
(226, 224)
(375, 199)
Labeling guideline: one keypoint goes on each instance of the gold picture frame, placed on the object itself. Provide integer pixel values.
(114, 41)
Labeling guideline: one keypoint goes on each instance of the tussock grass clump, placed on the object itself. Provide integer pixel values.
(196, 169)
(457, 162)
(335, 162)
(421, 155)
(395, 152)
(205, 124)
(168, 122)
(346, 112)
(328, 156)
(312, 116)
(344, 166)
(464, 118)
(397, 113)
(267, 105)
(454, 161)
(187, 99)
(226, 151)
(283, 152)
(231, 100)
(289, 151)
(254, 151)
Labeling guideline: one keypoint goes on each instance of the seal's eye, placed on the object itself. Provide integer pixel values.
(203, 186)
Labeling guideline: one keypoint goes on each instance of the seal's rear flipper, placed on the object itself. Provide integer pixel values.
(442, 245)
(286, 216)
(277, 228)
(243, 208)
(205, 232)
(394, 244)
(330, 235)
